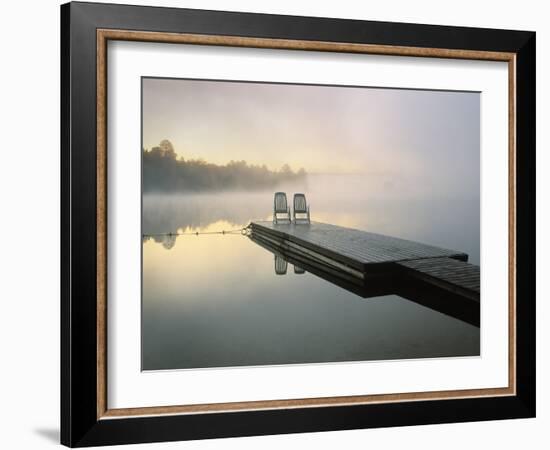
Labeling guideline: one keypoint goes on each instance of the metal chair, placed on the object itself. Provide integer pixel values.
(301, 207)
(280, 206)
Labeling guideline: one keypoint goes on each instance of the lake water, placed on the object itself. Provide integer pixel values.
(216, 301)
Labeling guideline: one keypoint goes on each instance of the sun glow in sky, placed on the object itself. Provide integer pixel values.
(324, 129)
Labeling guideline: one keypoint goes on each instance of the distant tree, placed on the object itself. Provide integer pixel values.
(286, 169)
(167, 149)
(163, 171)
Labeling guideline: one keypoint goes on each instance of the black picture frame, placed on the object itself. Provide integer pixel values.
(80, 425)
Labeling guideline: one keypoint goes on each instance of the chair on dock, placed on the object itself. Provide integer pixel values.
(301, 207)
(280, 206)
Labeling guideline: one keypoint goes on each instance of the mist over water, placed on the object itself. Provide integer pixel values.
(214, 300)
(373, 203)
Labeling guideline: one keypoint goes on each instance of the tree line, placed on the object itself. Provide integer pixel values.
(164, 171)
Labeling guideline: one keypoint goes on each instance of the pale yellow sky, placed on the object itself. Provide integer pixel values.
(321, 128)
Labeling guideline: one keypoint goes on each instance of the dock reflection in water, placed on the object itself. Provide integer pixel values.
(396, 283)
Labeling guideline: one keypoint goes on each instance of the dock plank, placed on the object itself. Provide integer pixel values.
(355, 247)
(449, 273)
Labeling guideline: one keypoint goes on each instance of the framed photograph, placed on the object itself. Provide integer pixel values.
(278, 224)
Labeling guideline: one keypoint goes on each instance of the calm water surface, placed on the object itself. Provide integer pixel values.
(215, 300)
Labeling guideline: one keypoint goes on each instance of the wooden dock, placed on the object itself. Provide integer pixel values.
(447, 273)
(360, 255)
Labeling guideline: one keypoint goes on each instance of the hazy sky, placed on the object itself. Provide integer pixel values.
(320, 128)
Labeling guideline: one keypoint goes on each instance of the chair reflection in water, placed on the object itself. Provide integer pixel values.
(281, 266)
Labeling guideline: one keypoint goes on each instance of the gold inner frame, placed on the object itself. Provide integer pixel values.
(104, 35)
